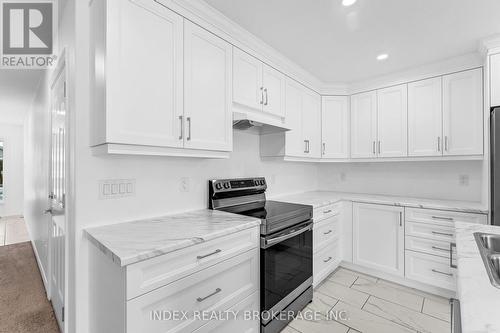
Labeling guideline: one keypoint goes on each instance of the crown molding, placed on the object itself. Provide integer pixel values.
(489, 45)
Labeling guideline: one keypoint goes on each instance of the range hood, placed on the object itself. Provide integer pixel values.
(262, 124)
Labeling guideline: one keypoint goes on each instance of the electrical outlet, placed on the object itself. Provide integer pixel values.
(184, 185)
(342, 177)
(463, 180)
(116, 188)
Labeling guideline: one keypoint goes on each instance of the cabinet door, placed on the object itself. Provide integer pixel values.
(363, 125)
(274, 91)
(247, 80)
(425, 118)
(378, 237)
(311, 122)
(207, 90)
(392, 121)
(495, 80)
(144, 96)
(335, 126)
(295, 145)
(463, 113)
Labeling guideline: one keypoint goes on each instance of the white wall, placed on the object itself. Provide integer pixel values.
(12, 137)
(435, 180)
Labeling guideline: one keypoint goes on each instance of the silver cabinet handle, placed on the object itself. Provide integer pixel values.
(441, 233)
(436, 271)
(324, 148)
(374, 148)
(261, 95)
(265, 91)
(379, 147)
(442, 218)
(327, 259)
(439, 248)
(327, 211)
(305, 146)
(400, 219)
(182, 128)
(439, 143)
(328, 232)
(188, 120)
(452, 245)
(446, 143)
(201, 299)
(210, 254)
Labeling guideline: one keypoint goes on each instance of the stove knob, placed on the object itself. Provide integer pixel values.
(262, 182)
(256, 183)
(218, 186)
(226, 186)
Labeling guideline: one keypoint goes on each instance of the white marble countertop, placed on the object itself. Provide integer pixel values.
(130, 242)
(322, 198)
(479, 300)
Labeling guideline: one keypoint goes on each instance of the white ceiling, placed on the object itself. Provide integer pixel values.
(339, 44)
(17, 90)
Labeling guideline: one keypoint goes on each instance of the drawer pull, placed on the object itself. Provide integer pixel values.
(436, 271)
(452, 245)
(439, 248)
(327, 259)
(201, 299)
(208, 255)
(442, 233)
(442, 218)
(327, 211)
(328, 232)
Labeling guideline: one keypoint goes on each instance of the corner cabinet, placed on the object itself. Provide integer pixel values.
(378, 237)
(335, 127)
(149, 95)
(364, 125)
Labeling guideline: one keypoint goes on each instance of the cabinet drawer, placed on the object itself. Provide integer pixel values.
(429, 269)
(429, 246)
(442, 217)
(430, 231)
(216, 288)
(148, 275)
(325, 261)
(325, 232)
(240, 323)
(327, 211)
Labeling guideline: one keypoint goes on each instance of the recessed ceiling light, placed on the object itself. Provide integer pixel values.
(348, 3)
(382, 56)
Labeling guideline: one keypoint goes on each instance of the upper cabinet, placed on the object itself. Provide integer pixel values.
(364, 125)
(257, 86)
(392, 121)
(311, 122)
(425, 118)
(495, 80)
(463, 113)
(335, 127)
(176, 101)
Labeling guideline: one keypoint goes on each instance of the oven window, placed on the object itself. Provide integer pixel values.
(286, 266)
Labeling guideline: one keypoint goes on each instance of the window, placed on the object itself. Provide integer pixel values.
(1, 171)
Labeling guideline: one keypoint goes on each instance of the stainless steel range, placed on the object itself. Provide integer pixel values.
(286, 253)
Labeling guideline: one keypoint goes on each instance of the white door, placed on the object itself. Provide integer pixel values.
(145, 100)
(295, 146)
(335, 129)
(274, 91)
(207, 90)
(425, 118)
(364, 125)
(57, 195)
(392, 121)
(378, 237)
(463, 113)
(247, 80)
(495, 80)
(311, 122)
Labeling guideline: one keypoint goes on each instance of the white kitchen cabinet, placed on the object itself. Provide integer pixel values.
(392, 121)
(425, 118)
(311, 122)
(495, 80)
(294, 141)
(335, 126)
(364, 125)
(207, 90)
(378, 237)
(463, 113)
(274, 91)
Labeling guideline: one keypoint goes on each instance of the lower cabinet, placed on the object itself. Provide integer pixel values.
(430, 269)
(378, 237)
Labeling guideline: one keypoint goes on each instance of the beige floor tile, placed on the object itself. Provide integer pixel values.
(414, 320)
(437, 308)
(318, 326)
(289, 329)
(15, 231)
(366, 322)
(344, 277)
(362, 275)
(343, 293)
(385, 292)
(413, 291)
(352, 330)
(321, 303)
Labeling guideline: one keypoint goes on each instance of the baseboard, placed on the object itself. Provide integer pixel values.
(38, 262)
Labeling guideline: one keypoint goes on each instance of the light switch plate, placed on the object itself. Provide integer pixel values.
(116, 188)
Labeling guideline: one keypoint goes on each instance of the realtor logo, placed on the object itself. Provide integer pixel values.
(27, 33)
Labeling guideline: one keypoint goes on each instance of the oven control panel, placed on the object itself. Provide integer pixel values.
(223, 185)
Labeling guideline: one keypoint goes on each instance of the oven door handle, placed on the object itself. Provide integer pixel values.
(272, 241)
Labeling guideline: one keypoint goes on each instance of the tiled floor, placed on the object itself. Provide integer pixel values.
(13, 230)
(366, 304)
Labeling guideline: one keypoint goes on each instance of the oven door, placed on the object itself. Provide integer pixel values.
(286, 260)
